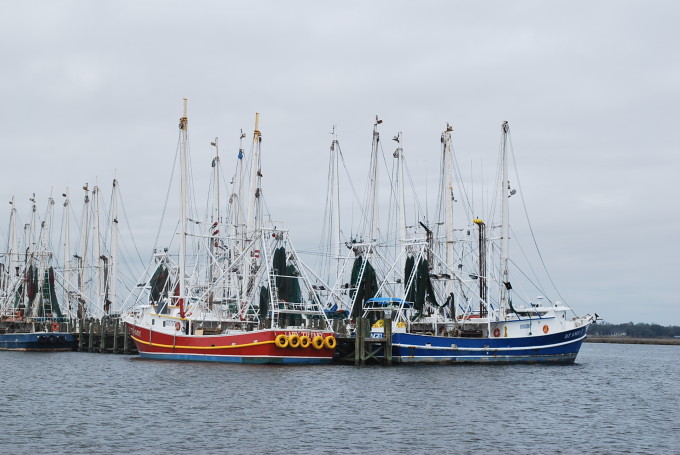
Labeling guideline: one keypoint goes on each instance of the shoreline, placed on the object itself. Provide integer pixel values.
(629, 340)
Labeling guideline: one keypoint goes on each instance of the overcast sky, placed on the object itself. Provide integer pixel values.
(93, 90)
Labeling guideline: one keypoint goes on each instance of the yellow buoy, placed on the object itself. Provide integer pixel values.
(305, 341)
(317, 342)
(281, 341)
(330, 342)
(294, 341)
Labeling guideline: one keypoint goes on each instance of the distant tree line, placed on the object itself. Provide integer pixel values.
(630, 329)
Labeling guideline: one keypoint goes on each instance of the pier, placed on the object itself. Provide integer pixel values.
(106, 335)
(363, 349)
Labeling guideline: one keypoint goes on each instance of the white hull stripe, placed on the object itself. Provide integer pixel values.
(234, 356)
(408, 358)
(519, 348)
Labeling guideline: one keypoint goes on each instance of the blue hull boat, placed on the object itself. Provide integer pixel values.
(559, 348)
(453, 303)
(38, 341)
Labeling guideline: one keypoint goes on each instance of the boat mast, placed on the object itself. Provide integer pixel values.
(373, 203)
(96, 251)
(114, 244)
(13, 242)
(13, 252)
(335, 203)
(43, 260)
(401, 201)
(29, 230)
(482, 266)
(447, 196)
(216, 176)
(235, 214)
(67, 250)
(237, 192)
(214, 227)
(505, 226)
(82, 266)
(253, 215)
(255, 177)
(29, 246)
(183, 126)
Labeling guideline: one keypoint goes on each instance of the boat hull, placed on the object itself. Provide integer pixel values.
(557, 348)
(255, 347)
(38, 341)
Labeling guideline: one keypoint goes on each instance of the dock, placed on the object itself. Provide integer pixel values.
(106, 336)
(111, 336)
(364, 349)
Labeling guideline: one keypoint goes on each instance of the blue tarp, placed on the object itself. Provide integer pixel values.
(386, 301)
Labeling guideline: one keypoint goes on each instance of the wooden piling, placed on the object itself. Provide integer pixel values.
(102, 336)
(115, 336)
(387, 350)
(359, 342)
(81, 339)
(90, 339)
(336, 326)
(126, 343)
(366, 330)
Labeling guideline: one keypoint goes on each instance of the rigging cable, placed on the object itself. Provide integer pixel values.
(167, 195)
(127, 222)
(526, 258)
(458, 176)
(418, 207)
(526, 213)
(351, 183)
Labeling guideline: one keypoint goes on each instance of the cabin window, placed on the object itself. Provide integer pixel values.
(163, 323)
(153, 322)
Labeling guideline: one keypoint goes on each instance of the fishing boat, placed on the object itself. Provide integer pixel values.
(441, 292)
(30, 316)
(456, 307)
(237, 290)
(33, 334)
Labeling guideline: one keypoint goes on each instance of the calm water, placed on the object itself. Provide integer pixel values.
(617, 399)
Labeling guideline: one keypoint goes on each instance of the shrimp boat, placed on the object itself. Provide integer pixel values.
(30, 316)
(441, 293)
(447, 312)
(35, 334)
(240, 297)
